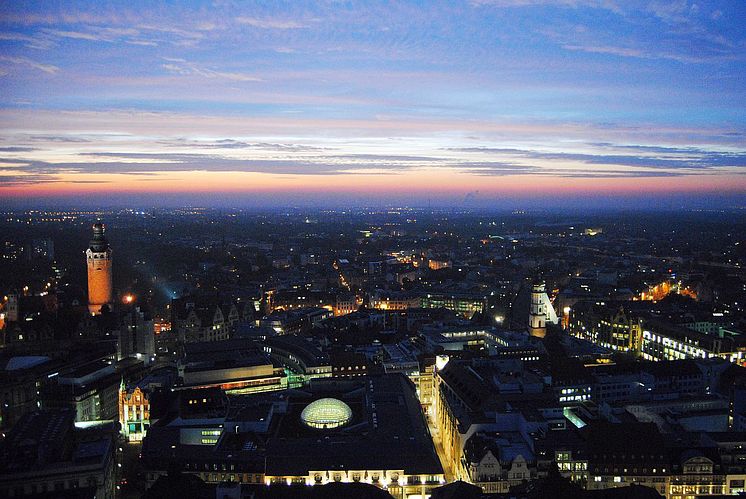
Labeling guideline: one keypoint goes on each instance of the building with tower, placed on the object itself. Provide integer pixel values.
(98, 259)
(540, 312)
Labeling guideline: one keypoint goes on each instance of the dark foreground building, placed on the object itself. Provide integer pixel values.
(332, 431)
(46, 456)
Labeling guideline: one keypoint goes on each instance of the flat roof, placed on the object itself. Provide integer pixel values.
(387, 432)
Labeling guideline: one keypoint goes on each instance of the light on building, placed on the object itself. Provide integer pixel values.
(128, 298)
(441, 361)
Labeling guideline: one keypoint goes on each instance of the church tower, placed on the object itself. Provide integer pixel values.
(98, 257)
(541, 311)
(537, 319)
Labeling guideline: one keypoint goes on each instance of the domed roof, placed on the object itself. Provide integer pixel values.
(326, 413)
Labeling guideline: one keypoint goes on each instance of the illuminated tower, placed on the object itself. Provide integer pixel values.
(98, 257)
(541, 311)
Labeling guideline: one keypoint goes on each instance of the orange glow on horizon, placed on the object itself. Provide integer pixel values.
(436, 181)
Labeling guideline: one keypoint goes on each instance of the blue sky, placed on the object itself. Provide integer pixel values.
(508, 98)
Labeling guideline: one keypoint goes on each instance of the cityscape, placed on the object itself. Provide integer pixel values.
(406, 250)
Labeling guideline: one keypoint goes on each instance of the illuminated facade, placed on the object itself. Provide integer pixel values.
(463, 304)
(488, 464)
(697, 477)
(366, 430)
(98, 259)
(651, 337)
(134, 413)
(434, 264)
(541, 311)
(661, 340)
(346, 303)
(612, 328)
(390, 300)
(658, 291)
(483, 442)
(386, 442)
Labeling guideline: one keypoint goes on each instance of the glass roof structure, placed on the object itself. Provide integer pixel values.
(326, 413)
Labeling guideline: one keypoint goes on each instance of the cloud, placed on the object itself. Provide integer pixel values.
(266, 23)
(596, 49)
(34, 42)
(705, 56)
(76, 35)
(143, 43)
(143, 35)
(21, 180)
(58, 138)
(138, 163)
(240, 144)
(495, 168)
(692, 159)
(188, 68)
(389, 157)
(665, 30)
(129, 163)
(610, 161)
(24, 61)
(606, 4)
(671, 11)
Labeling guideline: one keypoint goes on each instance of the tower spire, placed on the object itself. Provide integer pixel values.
(98, 259)
(541, 311)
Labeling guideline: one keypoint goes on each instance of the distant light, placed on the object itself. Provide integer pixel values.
(499, 319)
(128, 298)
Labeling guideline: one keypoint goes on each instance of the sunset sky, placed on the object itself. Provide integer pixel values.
(468, 104)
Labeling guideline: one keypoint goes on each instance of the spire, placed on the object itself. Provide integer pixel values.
(99, 242)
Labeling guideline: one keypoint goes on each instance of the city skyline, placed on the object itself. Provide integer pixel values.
(471, 104)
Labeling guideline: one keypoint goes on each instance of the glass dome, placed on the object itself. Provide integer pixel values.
(326, 413)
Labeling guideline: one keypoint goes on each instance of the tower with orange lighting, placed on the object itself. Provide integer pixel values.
(98, 258)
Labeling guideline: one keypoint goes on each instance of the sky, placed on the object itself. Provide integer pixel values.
(502, 103)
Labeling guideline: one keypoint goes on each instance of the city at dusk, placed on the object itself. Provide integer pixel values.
(485, 249)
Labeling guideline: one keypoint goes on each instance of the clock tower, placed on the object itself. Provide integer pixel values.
(98, 258)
